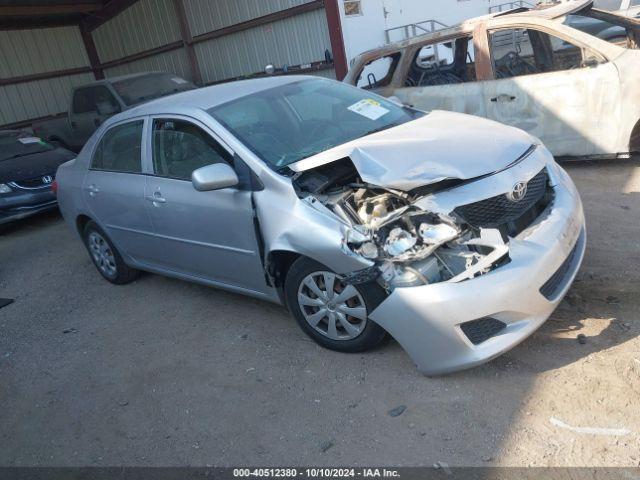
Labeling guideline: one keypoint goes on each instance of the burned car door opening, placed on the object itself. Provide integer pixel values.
(365, 218)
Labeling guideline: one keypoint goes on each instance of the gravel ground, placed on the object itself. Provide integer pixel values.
(163, 372)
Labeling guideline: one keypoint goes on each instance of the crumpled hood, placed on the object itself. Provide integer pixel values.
(441, 145)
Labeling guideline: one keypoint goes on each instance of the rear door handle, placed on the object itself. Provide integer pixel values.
(92, 189)
(503, 98)
(74, 125)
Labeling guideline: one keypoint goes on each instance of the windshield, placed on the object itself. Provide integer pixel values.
(19, 144)
(146, 87)
(285, 124)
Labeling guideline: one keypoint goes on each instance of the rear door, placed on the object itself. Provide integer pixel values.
(564, 93)
(114, 189)
(208, 235)
(442, 76)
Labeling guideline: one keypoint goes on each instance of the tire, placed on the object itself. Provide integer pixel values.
(346, 308)
(106, 257)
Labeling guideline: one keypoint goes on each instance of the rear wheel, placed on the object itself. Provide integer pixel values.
(106, 257)
(333, 313)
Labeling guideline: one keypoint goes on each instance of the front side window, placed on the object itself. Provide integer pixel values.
(285, 124)
(517, 52)
(443, 63)
(612, 29)
(120, 149)
(180, 147)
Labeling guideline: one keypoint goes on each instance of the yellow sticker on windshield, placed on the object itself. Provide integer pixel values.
(369, 108)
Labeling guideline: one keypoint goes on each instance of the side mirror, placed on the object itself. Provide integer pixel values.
(107, 108)
(214, 177)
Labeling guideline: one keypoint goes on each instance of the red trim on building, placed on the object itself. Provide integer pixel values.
(335, 35)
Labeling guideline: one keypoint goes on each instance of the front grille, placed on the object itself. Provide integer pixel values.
(478, 331)
(552, 287)
(34, 183)
(498, 211)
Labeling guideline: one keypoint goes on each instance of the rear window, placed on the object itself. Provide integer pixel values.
(147, 87)
(120, 149)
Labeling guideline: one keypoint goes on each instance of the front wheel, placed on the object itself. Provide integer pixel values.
(334, 314)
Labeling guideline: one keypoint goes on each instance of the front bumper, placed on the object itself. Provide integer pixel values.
(21, 204)
(426, 320)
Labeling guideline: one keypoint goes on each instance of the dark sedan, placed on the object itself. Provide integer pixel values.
(28, 167)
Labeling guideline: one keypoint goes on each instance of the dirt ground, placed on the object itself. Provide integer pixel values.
(163, 372)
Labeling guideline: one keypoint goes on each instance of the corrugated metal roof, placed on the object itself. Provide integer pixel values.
(293, 41)
(143, 26)
(23, 52)
(206, 15)
(175, 62)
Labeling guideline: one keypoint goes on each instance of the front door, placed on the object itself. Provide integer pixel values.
(564, 94)
(114, 189)
(208, 235)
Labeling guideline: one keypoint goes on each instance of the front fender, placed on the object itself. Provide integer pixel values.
(292, 224)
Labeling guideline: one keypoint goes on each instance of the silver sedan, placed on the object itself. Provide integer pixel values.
(457, 236)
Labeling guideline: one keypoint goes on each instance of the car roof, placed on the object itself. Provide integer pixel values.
(549, 10)
(208, 97)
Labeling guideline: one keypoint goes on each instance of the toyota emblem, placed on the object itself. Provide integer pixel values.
(518, 192)
(47, 179)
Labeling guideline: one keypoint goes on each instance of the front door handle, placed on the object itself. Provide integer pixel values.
(503, 98)
(92, 189)
(156, 198)
(74, 125)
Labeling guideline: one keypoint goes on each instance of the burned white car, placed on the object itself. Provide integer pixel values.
(563, 72)
(363, 217)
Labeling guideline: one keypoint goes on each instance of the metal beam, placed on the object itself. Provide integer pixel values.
(70, 8)
(92, 51)
(259, 21)
(29, 23)
(187, 38)
(43, 76)
(335, 36)
(110, 10)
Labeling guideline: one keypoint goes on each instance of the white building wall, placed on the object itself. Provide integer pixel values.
(367, 31)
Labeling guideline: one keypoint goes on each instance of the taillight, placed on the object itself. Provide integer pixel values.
(54, 187)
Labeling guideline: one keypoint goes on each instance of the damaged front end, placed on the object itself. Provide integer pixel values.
(408, 244)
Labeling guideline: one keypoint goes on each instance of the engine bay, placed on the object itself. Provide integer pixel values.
(408, 246)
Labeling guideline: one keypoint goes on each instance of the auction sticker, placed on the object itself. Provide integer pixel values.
(369, 108)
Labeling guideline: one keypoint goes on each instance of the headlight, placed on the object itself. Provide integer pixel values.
(4, 188)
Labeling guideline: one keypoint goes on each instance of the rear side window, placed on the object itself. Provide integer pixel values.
(120, 149)
(180, 147)
(378, 72)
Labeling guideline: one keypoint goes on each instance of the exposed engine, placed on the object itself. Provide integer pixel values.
(409, 246)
